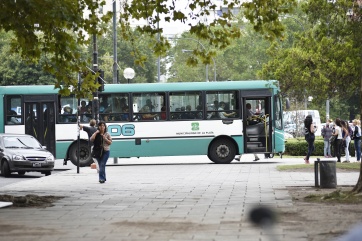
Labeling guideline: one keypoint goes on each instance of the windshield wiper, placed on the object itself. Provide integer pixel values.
(26, 146)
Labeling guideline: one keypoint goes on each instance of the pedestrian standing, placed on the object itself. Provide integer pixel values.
(357, 138)
(338, 141)
(327, 133)
(90, 131)
(346, 139)
(102, 141)
(309, 130)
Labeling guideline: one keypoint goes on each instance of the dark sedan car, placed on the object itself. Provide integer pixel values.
(23, 153)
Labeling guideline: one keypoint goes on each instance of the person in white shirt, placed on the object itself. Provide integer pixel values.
(338, 142)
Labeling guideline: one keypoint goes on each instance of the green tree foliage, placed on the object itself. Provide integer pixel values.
(324, 60)
(59, 31)
(145, 73)
(244, 57)
(239, 61)
(15, 71)
(327, 61)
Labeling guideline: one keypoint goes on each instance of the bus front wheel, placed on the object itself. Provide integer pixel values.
(222, 151)
(85, 157)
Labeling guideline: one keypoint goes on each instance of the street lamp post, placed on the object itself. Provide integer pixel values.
(128, 74)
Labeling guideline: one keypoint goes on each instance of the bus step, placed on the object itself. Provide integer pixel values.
(256, 149)
(254, 144)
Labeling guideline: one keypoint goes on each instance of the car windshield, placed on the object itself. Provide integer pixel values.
(21, 142)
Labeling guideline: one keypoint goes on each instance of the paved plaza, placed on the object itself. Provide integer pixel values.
(160, 198)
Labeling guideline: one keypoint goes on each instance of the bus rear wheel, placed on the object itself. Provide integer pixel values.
(222, 151)
(85, 157)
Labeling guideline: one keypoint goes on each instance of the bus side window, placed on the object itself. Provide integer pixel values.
(222, 104)
(147, 106)
(68, 109)
(186, 105)
(13, 110)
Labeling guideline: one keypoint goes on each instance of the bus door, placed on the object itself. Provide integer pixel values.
(40, 119)
(257, 121)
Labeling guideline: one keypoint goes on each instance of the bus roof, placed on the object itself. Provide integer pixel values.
(151, 87)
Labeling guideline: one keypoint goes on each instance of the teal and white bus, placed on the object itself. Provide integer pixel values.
(153, 119)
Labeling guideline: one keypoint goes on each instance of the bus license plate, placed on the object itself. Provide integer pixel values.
(36, 164)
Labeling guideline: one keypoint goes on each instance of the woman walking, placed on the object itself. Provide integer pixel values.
(102, 141)
(309, 130)
(338, 141)
(357, 138)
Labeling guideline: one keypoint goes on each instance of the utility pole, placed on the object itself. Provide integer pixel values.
(115, 69)
(95, 105)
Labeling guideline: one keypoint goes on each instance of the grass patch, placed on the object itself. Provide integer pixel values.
(30, 200)
(355, 166)
(337, 196)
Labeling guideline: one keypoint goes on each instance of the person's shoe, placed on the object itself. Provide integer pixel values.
(306, 161)
(101, 181)
(257, 159)
(338, 160)
(345, 161)
(326, 156)
(237, 158)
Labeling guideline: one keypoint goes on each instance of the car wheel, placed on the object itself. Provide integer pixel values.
(5, 169)
(222, 151)
(21, 173)
(48, 173)
(85, 157)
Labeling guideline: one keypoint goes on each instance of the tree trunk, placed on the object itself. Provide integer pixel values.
(358, 187)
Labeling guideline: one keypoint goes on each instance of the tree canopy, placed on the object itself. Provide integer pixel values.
(61, 33)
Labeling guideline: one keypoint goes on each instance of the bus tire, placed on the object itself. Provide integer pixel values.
(222, 151)
(85, 154)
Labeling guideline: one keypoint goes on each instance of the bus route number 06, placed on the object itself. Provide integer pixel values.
(118, 130)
